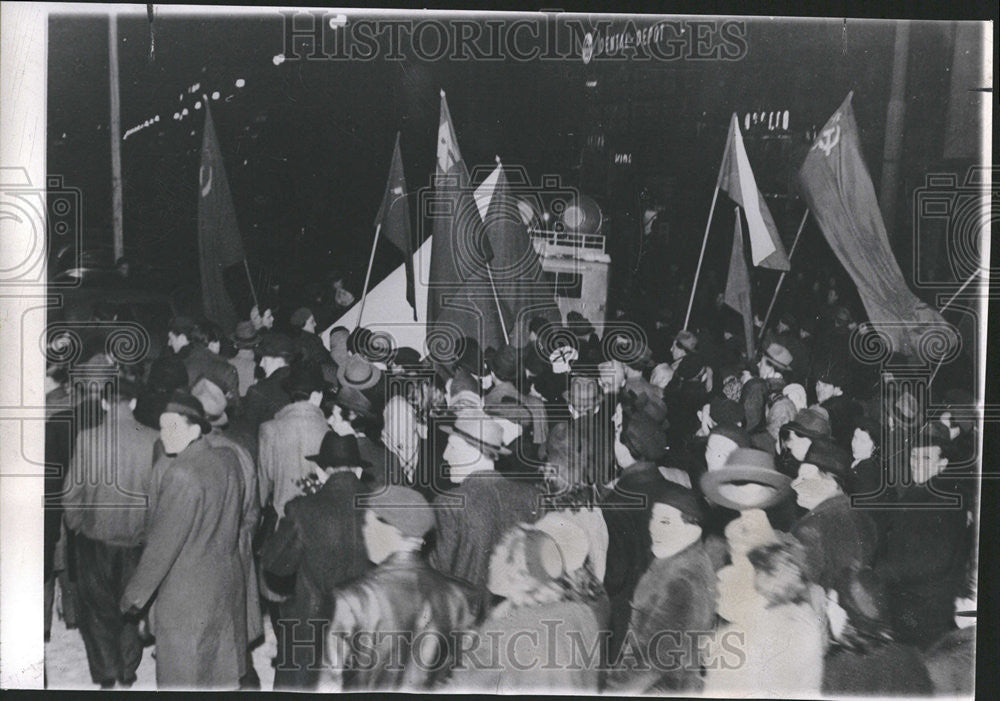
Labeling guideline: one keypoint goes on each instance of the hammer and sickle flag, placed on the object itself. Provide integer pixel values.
(219, 242)
(838, 190)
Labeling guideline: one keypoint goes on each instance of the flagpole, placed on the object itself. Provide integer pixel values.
(503, 325)
(253, 292)
(371, 259)
(960, 290)
(781, 280)
(701, 256)
(496, 298)
(118, 238)
(946, 305)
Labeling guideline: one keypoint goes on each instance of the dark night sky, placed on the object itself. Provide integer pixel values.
(307, 143)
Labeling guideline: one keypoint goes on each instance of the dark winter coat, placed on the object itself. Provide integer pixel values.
(473, 517)
(265, 398)
(191, 563)
(836, 537)
(319, 541)
(402, 594)
(675, 594)
(924, 560)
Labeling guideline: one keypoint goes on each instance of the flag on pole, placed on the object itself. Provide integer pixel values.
(460, 294)
(737, 293)
(839, 191)
(737, 179)
(394, 220)
(517, 271)
(219, 243)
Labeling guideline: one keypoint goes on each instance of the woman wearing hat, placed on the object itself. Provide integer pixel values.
(676, 593)
(527, 568)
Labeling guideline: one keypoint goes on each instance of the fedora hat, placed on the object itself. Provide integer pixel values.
(746, 465)
(479, 431)
(338, 451)
(811, 422)
(184, 403)
(779, 356)
(213, 401)
(245, 335)
(358, 373)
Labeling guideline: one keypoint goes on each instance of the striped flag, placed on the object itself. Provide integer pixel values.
(736, 178)
(459, 295)
(737, 293)
(394, 219)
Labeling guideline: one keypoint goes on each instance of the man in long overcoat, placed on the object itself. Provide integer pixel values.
(319, 540)
(225, 435)
(191, 559)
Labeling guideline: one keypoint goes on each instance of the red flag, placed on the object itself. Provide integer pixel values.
(738, 285)
(460, 296)
(517, 271)
(736, 178)
(839, 192)
(219, 241)
(394, 220)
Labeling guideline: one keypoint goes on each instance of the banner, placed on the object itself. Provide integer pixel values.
(394, 220)
(839, 192)
(737, 179)
(219, 243)
(460, 299)
(516, 268)
(737, 293)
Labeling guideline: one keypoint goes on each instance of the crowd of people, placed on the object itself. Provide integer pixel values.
(579, 515)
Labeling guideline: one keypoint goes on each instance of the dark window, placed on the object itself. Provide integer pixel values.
(568, 285)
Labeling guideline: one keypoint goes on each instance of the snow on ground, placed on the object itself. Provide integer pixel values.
(66, 660)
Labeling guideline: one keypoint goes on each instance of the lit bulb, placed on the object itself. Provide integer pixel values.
(240, 82)
(197, 105)
(278, 59)
(215, 95)
(156, 118)
(184, 112)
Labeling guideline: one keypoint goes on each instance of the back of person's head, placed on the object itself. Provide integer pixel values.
(183, 326)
